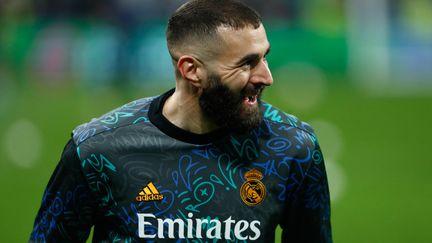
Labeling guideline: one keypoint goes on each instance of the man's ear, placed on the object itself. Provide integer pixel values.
(190, 69)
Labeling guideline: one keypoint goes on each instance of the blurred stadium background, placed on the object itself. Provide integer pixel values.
(360, 71)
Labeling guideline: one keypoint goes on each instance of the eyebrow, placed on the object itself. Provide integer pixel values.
(251, 57)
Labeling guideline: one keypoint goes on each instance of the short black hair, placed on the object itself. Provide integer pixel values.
(200, 19)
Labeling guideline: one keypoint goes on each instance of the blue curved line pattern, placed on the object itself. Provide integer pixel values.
(247, 146)
(182, 194)
(169, 197)
(175, 177)
(317, 156)
(281, 195)
(299, 160)
(279, 144)
(316, 192)
(186, 167)
(197, 180)
(205, 198)
(86, 134)
(271, 169)
(223, 171)
(214, 178)
(57, 206)
(200, 169)
(105, 190)
(202, 153)
(272, 114)
(114, 118)
(143, 119)
(185, 200)
(302, 136)
(292, 120)
(99, 163)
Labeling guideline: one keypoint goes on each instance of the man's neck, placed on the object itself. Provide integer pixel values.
(183, 110)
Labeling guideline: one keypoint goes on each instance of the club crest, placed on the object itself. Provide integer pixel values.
(253, 191)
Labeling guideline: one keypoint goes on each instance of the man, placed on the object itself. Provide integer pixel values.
(205, 161)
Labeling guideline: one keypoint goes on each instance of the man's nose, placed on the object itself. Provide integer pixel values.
(261, 74)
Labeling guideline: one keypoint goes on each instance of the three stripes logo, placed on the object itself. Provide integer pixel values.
(149, 193)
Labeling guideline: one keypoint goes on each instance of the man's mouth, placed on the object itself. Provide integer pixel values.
(251, 95)
(251, 99)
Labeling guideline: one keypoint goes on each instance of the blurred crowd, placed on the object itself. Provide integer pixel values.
(122, 41)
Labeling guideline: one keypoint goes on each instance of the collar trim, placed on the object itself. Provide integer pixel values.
(156, 118)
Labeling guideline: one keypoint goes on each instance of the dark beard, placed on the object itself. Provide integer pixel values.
(225, 108)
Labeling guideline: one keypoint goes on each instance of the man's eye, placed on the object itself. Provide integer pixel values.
(249, 63)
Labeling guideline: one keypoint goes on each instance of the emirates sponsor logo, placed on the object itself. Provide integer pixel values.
(195, 228)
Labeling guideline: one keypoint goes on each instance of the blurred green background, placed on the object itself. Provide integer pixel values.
(358, 71)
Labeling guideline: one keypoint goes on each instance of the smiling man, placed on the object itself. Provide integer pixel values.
(208, 160)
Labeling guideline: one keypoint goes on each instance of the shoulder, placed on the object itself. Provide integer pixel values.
(275, 115)
(287, 125)
(129, 114)
(288, 134)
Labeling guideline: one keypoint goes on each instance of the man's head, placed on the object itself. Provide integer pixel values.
(219, 49)
(194, 26)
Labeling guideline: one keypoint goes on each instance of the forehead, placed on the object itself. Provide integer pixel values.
(241, 42)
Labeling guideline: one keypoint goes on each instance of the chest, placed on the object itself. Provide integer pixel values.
(214, 193)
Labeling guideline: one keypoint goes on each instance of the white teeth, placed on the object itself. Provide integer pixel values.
(250, 99)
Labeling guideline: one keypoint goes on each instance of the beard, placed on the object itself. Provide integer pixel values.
(227, 109)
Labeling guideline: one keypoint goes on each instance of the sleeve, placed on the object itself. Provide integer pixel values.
(308, 210)
(67, 209)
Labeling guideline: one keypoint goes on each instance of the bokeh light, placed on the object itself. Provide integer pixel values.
(23, 143)
(337, 181)
(304, 85)
(329, 137)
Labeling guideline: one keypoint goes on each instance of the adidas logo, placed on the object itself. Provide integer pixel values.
(149, 193)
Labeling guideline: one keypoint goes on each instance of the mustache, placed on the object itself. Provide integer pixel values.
(252, 90)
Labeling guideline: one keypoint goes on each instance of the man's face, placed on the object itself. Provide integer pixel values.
(238, 111)
(236, 78)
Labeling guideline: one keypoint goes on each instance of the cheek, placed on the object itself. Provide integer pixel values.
(237, 81)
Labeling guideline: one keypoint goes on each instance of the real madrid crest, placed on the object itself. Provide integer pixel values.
(253, 191)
